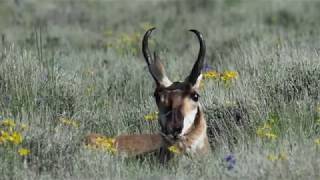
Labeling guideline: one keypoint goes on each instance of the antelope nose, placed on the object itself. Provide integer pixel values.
(177, 131)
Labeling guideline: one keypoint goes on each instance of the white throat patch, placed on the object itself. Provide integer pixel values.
(189, 120)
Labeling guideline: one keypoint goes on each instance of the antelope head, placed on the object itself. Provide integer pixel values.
(177, 101)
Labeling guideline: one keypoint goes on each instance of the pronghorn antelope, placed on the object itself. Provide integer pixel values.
(180, 115)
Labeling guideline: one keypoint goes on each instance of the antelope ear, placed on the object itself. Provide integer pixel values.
(155, 66)
(196, 86)
(157, 69)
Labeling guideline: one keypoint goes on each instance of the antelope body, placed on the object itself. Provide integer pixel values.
(130, 145)
(180, 116)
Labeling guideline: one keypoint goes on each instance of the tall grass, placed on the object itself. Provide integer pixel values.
(81, 61)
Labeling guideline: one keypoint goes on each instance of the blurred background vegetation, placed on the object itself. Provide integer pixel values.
(68, 68)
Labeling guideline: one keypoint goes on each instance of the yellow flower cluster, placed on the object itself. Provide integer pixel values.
(69, 122)
(265, 131)
(317, 141)
(23, 152)
(224, 76)
(175, 149)
(211, 75)
(229, 75)
(151, 116)
(8, 122)
(280, 156)
(105, 143)
(10, 134)
(11, 137)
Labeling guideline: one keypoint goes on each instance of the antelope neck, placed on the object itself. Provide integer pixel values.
(195, 123)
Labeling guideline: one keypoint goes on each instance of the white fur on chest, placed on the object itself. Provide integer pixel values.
(199, 142)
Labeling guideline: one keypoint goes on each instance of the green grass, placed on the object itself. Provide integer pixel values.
(82, 61)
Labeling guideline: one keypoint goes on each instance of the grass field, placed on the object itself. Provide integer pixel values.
(69, 68)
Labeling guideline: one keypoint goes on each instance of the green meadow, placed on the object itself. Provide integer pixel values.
(74, 67)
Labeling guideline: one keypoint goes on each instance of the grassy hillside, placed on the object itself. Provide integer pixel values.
(68, 68)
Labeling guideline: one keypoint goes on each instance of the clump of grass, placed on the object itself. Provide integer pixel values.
(227, 121)
(301, 80)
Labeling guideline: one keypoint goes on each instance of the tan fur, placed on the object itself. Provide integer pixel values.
(130, 145)
(198, 129)
(188, 106)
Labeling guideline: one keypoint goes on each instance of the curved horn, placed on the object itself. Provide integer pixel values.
(197, 67)
(146, 52)
(145, 46)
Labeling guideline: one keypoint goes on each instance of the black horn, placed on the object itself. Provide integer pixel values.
(146, 52)
(145, 46)
(198, 65)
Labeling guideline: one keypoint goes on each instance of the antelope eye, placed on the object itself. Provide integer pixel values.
(195, 96)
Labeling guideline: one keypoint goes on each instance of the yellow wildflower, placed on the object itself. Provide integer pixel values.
(16, 138)
(5, 135)
(151, 116)
(23, 152)
(265, 131)
(174, 149)
(106, 143)
(211, 75)
(317, 141)
(8, 122)
(69, 122)
(229, 75)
